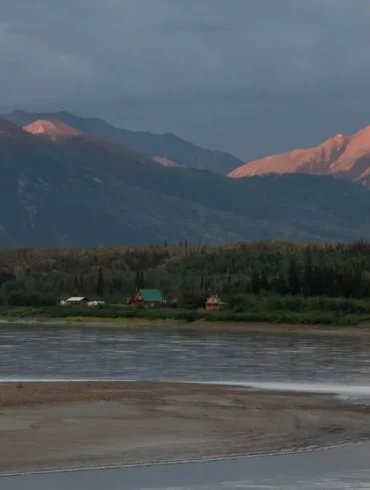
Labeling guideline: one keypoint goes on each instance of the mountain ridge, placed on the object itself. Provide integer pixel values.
(347, 157)
(167, 145)
(86, 191)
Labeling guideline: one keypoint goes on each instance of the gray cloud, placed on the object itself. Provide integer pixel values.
(249, 76)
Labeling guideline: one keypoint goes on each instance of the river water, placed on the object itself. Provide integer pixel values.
(298, 362)
(345, 468)
(338, 365)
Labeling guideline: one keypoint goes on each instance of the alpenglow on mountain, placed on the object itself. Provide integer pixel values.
(347, 157)
(168, 148)
(51, 128)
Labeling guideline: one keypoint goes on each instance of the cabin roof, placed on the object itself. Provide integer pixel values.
(214, 299)
(151, 295)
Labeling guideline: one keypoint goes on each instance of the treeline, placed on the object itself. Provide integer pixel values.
(264, 307)
(35, 277)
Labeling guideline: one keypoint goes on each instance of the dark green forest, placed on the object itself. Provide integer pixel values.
(35, 277)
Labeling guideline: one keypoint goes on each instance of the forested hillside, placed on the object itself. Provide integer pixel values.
(189, 274)
(82, 192)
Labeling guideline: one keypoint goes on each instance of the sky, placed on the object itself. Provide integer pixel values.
(251, 77)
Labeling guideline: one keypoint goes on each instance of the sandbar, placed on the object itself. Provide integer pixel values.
(52, 426)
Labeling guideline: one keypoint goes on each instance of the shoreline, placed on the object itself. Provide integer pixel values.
(104, 467)
(54, 426)
(201, 327)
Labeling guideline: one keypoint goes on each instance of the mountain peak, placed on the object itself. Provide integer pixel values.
(342, 156)
(52, 128)
(168, 145)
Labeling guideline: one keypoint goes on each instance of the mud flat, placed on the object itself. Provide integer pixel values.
(47, 426)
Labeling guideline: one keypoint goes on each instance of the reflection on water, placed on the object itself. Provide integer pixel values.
(344, 468)
(67, 353)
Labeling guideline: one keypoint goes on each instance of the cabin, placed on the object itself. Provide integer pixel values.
(75, 301)
(148, 298)
(214, 303)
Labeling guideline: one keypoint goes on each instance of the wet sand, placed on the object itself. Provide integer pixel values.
(67, 425)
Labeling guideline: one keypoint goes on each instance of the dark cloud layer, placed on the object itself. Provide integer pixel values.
(248, 76)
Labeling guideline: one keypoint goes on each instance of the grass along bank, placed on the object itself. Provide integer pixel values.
(254, 308)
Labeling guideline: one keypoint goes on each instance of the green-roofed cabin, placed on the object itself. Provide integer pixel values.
(149, 298)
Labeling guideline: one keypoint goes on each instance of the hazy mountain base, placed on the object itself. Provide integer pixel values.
(54, 200)
(81, 191)
(69, 194)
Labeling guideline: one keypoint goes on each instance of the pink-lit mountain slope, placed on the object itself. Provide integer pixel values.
(168, 145)
(57, 131)
(51, 128)
(342, 156)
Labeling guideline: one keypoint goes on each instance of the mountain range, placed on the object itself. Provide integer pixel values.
(62, 186)
(165, 147)
(347, 157)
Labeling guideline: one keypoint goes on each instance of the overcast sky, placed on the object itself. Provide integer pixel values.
(248, 76)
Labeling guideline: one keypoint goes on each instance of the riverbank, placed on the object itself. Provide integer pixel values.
(200, 327)
(64, 425)
(260, 309)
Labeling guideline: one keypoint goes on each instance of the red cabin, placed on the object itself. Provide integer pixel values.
(214, 303)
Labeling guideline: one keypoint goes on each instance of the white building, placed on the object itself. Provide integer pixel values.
(75, 300)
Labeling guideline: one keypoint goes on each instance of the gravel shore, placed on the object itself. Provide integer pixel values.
(47, 426)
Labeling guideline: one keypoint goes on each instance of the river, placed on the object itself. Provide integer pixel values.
(276, 361)
(329, 364)
(345, 468)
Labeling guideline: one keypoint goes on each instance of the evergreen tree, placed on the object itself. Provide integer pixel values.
(82, 282)
(138, 280)
(264, 282)
(100, 286)
(255, 282)
(294, 282)
(307, 280)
